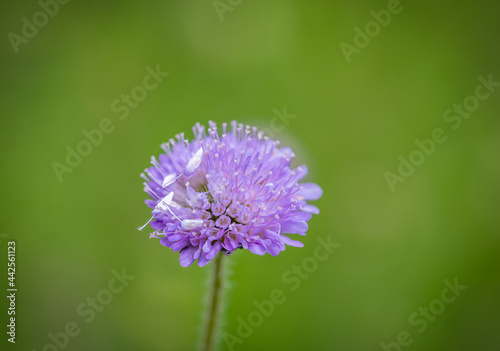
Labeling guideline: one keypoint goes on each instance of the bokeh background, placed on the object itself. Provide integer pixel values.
(352, 122)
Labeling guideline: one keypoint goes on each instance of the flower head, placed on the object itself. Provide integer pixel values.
(228, 190)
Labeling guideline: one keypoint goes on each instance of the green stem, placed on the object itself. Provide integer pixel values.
(214, 304)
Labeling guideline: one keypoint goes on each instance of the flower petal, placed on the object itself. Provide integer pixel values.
(214, 250)
(157, 225)
(203, 260)
(286, 240)
(186, 258)
(305, 216)
(311, 209)
(309, 191)
(273, 249)
(294, 226)
(256, 248)
(180, 245)
(166, 242)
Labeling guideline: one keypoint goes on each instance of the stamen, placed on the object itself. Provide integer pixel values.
(141, 228)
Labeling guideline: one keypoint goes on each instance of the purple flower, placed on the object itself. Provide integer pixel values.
(221, 192)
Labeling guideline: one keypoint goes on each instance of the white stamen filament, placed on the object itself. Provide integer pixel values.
(141, 228)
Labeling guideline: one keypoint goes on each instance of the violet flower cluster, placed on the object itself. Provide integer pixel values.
(225, 191)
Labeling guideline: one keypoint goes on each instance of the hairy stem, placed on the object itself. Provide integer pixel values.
(214, 304)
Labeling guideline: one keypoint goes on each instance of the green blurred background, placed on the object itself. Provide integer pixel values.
(352, 122)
